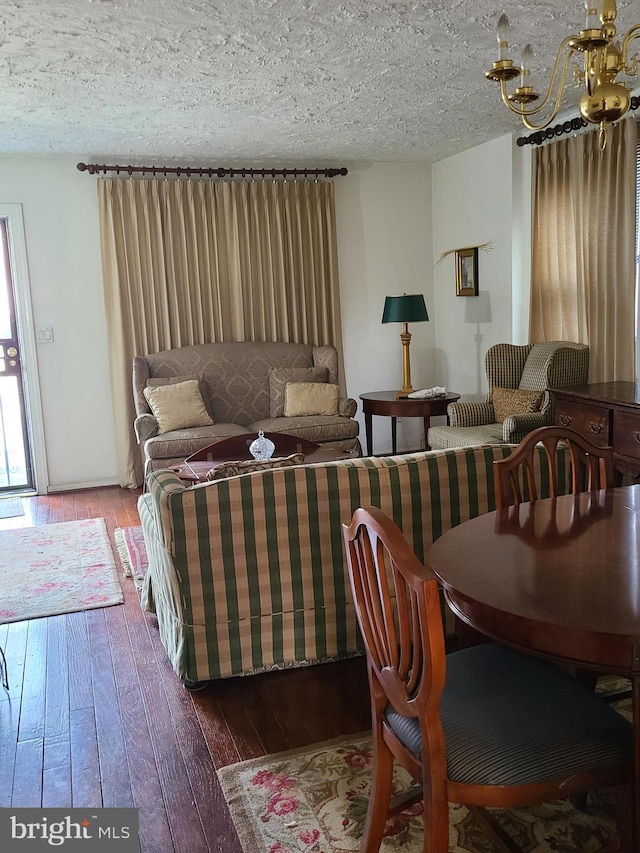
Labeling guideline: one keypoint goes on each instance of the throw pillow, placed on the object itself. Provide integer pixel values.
(177, 406)
(248, 466)
(310, 398)
(515, 401)
(157, 381)
(278, 378)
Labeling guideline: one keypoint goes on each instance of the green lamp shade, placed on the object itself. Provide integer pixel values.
(409, 308)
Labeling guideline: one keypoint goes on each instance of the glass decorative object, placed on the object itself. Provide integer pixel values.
(261, 447)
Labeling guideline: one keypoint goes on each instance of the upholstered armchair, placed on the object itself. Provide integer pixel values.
(518, 400)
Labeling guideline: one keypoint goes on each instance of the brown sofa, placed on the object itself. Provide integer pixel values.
(242, 386)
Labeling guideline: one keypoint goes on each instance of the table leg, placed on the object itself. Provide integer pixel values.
(394, 435)
(635, 783)
(368, 430)
(427, 424)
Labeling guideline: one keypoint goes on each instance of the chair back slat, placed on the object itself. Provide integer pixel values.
(591, 466)
(397, 605)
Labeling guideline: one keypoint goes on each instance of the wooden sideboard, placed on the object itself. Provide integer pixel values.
(607, 413)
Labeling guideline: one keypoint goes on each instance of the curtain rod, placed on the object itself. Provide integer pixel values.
(569, 126)
(219, 172)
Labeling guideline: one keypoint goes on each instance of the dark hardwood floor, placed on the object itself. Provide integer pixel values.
(96, 717)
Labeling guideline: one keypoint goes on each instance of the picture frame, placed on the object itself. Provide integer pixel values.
(467, 272)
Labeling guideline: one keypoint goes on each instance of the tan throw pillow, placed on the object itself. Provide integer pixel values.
(177, 406)
(515, 401)
(310, 398)
(248, 466)
(278, 378)
(157, 381)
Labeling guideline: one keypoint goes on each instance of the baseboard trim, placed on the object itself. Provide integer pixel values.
(72, 487)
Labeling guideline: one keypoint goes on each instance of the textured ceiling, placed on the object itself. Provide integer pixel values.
(290, 81)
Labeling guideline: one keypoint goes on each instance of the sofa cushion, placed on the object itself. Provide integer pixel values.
(181, 443)
(318, 428)
(514, 401)
(310, 398)
(177, 406)
(278, 378)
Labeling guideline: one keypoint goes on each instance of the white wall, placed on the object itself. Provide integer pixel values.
(384, 223)
(383, 213)
(61, 229)
(473, 204)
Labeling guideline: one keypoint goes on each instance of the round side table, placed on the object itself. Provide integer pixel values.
(386, 404)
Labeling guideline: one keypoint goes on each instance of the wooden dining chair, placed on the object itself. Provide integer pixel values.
(486, 726)
(591, 467)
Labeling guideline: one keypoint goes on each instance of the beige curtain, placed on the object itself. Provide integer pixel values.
(583, 251)
(188, 262)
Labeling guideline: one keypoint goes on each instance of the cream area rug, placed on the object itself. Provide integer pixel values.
(315, 799)
(56, 568)
(132, 553)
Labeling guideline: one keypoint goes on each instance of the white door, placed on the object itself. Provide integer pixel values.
(22, 462)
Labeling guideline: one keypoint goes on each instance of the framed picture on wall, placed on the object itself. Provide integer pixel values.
(467, 272)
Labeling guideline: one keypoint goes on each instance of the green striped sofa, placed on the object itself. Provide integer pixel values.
(248, 574)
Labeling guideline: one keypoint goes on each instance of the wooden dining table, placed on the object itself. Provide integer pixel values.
(559, 578)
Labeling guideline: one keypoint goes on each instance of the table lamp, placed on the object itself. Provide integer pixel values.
(408, 308)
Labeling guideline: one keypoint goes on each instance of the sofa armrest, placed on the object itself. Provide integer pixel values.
(347, 407)
(145, 426)
(471, 414)
(515, 427)
(163, 485)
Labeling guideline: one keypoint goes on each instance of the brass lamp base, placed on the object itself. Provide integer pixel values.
(404, 393)
(406, 389)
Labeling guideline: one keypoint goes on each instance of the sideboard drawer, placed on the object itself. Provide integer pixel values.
(590, 421)
(626, 427)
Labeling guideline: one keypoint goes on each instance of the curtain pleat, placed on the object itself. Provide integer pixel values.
(583, 248)
(188, 262)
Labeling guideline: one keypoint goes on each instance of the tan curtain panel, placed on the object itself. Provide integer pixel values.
(583, 251)
(188, 262)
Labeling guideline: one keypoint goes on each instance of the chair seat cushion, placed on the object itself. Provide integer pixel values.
(511, 719)
(444, 437)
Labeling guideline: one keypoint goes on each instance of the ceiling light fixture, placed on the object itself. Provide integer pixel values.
(605, 100)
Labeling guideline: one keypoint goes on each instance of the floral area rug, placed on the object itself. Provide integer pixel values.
(314, 800)
(56, 568)
(132, 553)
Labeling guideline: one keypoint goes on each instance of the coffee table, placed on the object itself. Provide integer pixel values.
(196, 467)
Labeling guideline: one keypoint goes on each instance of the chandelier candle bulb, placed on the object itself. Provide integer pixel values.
(592, 21)
(503, 37)
(526, 62)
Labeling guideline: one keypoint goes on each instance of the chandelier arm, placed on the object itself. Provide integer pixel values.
(533, 110)
(629, 36)
(525, 113)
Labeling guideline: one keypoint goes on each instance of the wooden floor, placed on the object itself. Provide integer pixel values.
(96, 717)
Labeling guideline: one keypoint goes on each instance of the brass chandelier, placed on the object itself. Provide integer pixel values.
(604, 101)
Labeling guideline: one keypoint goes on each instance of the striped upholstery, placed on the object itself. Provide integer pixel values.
(533, 367)
(530, 722)
(248, 573)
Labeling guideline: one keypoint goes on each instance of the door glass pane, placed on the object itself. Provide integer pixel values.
(5, 313)
(13, 462)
